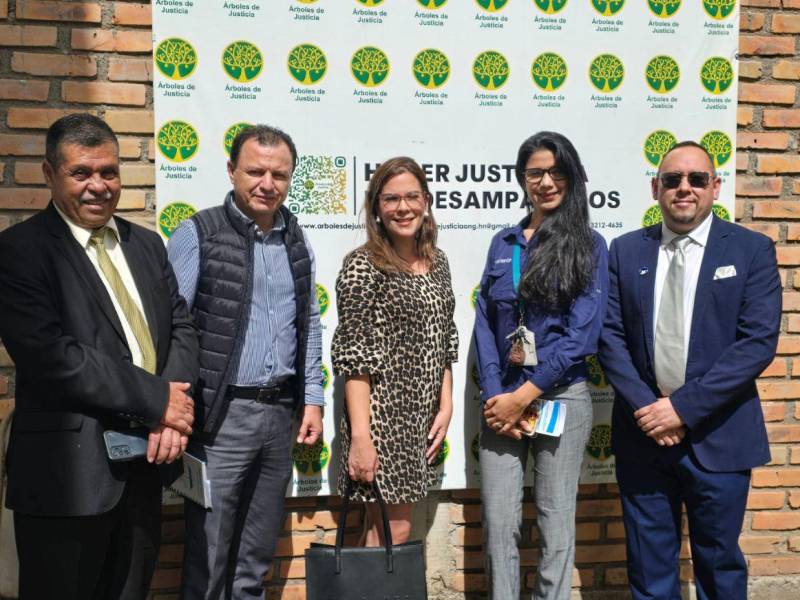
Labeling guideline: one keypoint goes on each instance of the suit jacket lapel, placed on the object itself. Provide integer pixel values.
(84, 268)
(712, 257)
(142, 278)
(646, 277)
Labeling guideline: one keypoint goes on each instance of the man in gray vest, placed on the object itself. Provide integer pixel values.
(247, 272)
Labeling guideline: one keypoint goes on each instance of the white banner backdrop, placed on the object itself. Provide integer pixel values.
(458, 85)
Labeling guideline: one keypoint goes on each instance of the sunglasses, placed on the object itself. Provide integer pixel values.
(696, 179)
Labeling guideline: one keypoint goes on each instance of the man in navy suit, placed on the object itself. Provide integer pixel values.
(694, 311)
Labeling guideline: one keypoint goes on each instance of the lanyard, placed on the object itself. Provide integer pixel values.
(516, 270)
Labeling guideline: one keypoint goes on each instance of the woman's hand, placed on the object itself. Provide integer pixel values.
(362, 461)
(437, 434)
(503, 412)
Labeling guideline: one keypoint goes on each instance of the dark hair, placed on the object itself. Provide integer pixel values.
(266, 136)
(560, 264)
(382, 253)
(690, 144)
(82, 129)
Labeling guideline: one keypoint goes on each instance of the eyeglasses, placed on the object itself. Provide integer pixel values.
(413, 200)
(536, 175)
(696, 179)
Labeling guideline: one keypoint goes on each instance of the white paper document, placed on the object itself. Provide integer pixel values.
(551, 418)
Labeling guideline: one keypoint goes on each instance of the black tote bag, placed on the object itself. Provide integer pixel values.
(390, 573)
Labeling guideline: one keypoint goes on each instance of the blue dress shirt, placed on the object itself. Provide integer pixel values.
(563, 339)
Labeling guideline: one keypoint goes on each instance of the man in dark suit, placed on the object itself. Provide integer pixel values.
(694, 311)
(91, 315)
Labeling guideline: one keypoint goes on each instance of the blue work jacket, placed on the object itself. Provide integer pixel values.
(563, 339)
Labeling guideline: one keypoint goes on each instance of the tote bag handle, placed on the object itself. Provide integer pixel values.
(387, 533)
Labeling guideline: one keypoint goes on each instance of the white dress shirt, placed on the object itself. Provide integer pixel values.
(694, 252)
(114, 250)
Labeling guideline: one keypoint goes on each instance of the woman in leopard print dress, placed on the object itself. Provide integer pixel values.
(394, 345)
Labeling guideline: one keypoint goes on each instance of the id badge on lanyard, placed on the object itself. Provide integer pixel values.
(523, 342)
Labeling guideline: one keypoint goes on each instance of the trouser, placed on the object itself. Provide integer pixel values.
(557, 466)
(652, 494)
(112, 555)
(229, 548)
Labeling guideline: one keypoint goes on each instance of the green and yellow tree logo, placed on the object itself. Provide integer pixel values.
(444, 452)
(662, 74)
(177, 140)
(549, 71)
(716, 74)
(326, 377)
(608, 8)
(657, 144)
(475, 447)
(231, 133)
(242, 61)
(173, 215)
(492, 5)
(597, 376)
(323, 299)
(606, 73)
(307, 1)
(431, 68)
(490, 70)
(653, 215)
(175, 58)
(721, 212)
(719, 9)
(370, 3)
(551, 6)
(718, 145)
(664, 8)
(370, 66)
(307, 64)
(310, 460)
(473, 297)
(599, 444)
(432, 4)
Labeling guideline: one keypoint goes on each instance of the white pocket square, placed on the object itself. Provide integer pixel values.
(725, 272)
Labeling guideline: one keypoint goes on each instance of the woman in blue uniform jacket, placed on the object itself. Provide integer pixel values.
(548, 275)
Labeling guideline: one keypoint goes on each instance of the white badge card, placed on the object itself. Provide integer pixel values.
(523, 347)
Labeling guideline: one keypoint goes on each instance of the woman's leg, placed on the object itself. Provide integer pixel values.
(503, 461)
(557, 467)
(399, 523)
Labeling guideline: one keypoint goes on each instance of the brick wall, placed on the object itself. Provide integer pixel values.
(58, 57)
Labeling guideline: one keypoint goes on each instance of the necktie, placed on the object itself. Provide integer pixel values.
(132, 313)
(670, 361)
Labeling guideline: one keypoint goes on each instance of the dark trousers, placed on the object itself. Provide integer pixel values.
(229, 548)
(652, 494)
(99, 557)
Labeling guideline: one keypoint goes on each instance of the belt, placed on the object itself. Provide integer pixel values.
(266, 395)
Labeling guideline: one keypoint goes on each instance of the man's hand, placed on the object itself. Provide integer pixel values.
(180, 408)
(310, 425)
(503, 412)
(671, 438)
(165, 445)
(658, 417)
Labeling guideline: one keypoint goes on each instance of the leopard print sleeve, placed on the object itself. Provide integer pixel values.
(356, 348)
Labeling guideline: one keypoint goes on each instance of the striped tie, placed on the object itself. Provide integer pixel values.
(132, 313)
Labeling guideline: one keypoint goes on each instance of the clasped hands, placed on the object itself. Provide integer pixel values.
(661, 422)
(503, 413)
(167, 442)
